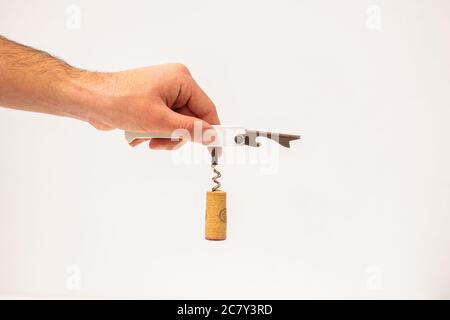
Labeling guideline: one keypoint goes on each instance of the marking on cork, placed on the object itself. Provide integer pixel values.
(223, 215)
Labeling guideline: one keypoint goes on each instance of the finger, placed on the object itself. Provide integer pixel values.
(193, 126)
(186, 111)
(202, 106)
(136, 142)
(165, 144)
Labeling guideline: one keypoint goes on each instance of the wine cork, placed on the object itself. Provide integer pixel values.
(216, 215)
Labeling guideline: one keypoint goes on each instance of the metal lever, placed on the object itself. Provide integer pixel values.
(249, 138)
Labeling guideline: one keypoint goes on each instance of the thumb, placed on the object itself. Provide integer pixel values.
(190, 128)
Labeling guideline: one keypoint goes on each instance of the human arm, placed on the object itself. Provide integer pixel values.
(160, 98)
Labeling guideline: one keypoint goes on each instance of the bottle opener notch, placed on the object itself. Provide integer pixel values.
(249, 138)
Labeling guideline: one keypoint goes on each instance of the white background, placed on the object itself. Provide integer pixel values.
(358, 209)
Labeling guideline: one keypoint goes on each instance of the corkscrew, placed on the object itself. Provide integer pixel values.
(216, 209)
(226, 136)
(215, 178)
(214, 163)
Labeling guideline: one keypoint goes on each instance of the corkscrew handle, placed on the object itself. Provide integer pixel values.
(225, 135)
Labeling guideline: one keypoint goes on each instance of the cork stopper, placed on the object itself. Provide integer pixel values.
(216, 215)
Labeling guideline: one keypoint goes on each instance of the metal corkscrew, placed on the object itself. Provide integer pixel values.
(227, 136)
(214, 162)
(215, 178)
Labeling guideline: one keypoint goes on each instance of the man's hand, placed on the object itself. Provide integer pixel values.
(154, 99)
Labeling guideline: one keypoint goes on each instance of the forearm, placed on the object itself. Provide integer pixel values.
(33, 80)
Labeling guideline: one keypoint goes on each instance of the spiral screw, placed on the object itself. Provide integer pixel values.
(214, 162)
(215, 178)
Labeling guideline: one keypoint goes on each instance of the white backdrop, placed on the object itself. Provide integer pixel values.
(358, 209)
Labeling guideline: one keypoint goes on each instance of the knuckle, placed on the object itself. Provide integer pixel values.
(181, 69)
(188, 126)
